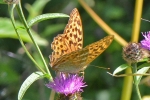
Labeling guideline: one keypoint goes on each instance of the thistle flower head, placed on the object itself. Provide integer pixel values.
(67, 84)
(146, 42)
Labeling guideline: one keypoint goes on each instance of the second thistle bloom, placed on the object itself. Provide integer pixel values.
(67, 84)
(146, 42)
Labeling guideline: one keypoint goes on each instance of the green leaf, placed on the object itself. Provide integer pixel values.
(121, 68)
(141, 71)
(144, 65)
(45, 17)
(144, 60)
(26, 84)
(7, 31)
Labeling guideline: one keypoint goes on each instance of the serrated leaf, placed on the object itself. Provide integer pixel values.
(141, 71)
(121, 68)
(26, 84)
(7, 31)
(45, 17)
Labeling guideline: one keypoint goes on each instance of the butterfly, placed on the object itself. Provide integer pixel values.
(68, 54)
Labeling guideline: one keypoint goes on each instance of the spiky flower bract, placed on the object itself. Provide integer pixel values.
(11, 1)
(67, 84)
(133, 52)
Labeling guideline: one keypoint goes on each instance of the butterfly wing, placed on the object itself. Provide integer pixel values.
(73, 32)
(71, 40)
(95, 49)
(73, 62)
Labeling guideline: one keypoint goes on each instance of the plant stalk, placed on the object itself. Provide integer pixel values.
(19, 37)
(20, 12)
(134, 70)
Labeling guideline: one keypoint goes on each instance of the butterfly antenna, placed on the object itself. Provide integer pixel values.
(101, 67)
(145, 20)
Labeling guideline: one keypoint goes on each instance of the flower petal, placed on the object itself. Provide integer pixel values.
(67, 84)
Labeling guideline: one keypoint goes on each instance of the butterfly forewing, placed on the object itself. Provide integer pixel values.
(73, 32)
(70, 40)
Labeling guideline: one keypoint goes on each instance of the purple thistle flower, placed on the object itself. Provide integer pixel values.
(67, 85)
(146, 42)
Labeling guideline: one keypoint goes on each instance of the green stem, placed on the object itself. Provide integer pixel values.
(20, 12)
(134, 70)
(138, 91)
(19, 37)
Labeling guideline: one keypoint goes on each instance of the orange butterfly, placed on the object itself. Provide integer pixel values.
(68, 53)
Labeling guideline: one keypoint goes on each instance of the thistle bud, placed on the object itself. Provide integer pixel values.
(75, 96)
(11, 1)
(133, 53)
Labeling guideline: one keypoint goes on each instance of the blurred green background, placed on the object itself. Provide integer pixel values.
(15, 66)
